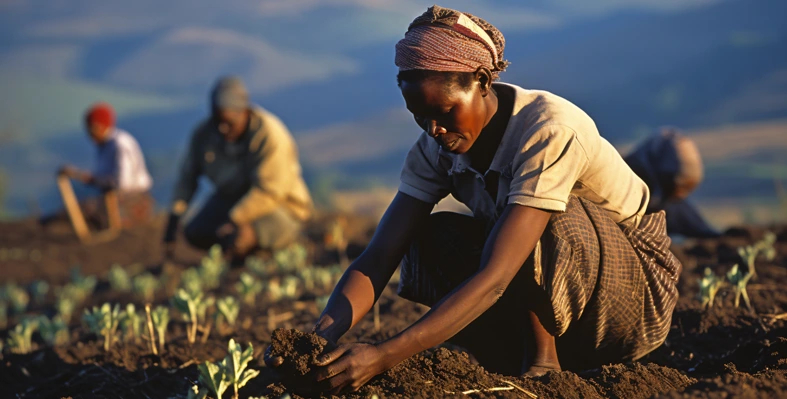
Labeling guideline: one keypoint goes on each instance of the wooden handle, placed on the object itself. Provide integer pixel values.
(72, 208)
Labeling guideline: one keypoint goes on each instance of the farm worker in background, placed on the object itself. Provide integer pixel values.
(671, 166)
(560, 236)
(260, 198)
(119, 166)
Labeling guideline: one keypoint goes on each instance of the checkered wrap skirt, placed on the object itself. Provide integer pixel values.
(607, 291)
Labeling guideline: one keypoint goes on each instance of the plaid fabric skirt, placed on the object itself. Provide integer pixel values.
(606, 290)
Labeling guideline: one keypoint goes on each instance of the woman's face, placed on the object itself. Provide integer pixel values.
(450, 114)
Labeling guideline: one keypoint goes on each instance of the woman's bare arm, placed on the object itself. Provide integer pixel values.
(367, 276)
(512, 240)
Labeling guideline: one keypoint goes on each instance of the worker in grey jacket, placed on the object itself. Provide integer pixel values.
(260, 198)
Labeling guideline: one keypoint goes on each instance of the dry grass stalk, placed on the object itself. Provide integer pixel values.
(150, 329)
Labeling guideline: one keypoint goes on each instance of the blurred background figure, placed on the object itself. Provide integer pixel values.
(671, 166)
(120, 166)
(260, 199)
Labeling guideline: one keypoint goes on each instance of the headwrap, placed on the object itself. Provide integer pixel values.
(229, 92)
(100, 113)
(446, 40)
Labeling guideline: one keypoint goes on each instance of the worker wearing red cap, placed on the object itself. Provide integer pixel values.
(119, 165)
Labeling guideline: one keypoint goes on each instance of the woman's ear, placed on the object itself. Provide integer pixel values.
(484, 78)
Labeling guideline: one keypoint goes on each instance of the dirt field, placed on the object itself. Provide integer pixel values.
(720, 353)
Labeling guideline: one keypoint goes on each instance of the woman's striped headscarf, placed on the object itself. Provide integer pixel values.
(446, 40)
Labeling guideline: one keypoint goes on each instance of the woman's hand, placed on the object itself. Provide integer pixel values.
(349, 366)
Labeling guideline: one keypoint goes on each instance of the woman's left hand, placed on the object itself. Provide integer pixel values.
(349, 366)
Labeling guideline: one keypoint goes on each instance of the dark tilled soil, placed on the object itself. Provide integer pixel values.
(722, 352)
(299, 350)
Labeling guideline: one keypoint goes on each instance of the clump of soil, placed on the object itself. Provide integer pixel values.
(298, 349)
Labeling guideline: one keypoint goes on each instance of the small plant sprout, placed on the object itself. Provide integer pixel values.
(236, 366)
(85, 284)
(257, 266)
(766, 246)
(16, 296)
(289, 287)
(145, 286)
(212, 376)
(39, 289)
(212, 267)
(191, 281)
(119, 279)
(273, 289)
(53, 331)
(709, 286)
(65, 304)
(738, 278)
(248, 287)
(20, 339)
(160, 317)
(228, 309)
(749, 255)
(131, 322)
(103, 321)
(191, 306)
(291, 258)
(335, 238)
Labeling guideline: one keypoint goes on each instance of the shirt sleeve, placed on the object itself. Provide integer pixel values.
(421, 176)
(274, 161)
(190, 170)
(546, 168)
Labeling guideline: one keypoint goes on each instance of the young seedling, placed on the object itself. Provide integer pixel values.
(39, 289)
(289, 287)
(16, 296)
(191, 281)
(766, 246)
(65, 305)
(212, 267)
(53, 331)
(235, 366)
(20, 339)
(738, 278)
(228, 309)
(336, 239)
(160, 317)
(291, 258)
(119, 279)
(709, 286)
(273, 289)
(131, 323)
(211, 375)
(257, 266)
(84, 284)
(192, 307)
(145, 286)
(103, 321)
(248, 287)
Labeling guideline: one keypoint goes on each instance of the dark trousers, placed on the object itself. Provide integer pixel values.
(274, 230)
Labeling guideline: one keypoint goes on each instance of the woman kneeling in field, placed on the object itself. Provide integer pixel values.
(558, 225)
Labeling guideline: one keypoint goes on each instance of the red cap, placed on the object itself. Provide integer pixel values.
(101, 113)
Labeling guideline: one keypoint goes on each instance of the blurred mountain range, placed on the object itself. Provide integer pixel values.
(326, 68)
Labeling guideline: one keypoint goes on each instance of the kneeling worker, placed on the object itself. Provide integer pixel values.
(260, 198)
(670, 164)
(120, 167)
